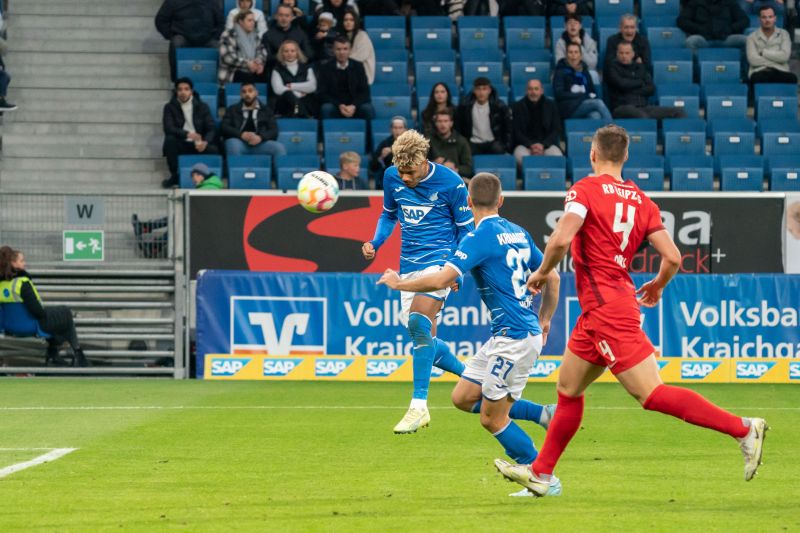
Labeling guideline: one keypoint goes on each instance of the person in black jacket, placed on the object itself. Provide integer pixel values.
(16, 286)
(629, 34)
(196, 23)
(343, 88)
(713, 23)
(574, 89)
(484, 120)
(629, 87)
(283, 28)
(536, 124)
(249, 127)
(188, 128)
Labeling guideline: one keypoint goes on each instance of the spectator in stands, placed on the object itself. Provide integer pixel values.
(449, 148)
(574, 33)
(574, 89)
(345, 90)
(283, 28)
(630, 85)
(440, 100)
(16, 286)
(361, 48)
(382, 156)
(536, 124)
(188, 128)
(754, 6)
(349, 175)
(196, 23)
(570, 7)
(713, 23)
(768, 51)
(629, 34)
(242, 56)
(242, 5)
(323, 37)
(337, 9)
(249, 127)
(299, 14)
(294, 83)
(204, 179)
(484, 119)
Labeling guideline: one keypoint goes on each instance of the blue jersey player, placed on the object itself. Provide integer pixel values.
(430, 201)
(500, 256)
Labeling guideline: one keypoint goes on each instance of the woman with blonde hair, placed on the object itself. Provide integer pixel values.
(293, 82)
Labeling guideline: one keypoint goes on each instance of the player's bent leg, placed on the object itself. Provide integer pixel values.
(466, 394)
(525, 410)
(516, 443)
(443, 358)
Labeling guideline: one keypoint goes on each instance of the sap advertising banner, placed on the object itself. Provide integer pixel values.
(296, 314)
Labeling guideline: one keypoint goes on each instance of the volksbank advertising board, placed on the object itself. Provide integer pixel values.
(289, 316)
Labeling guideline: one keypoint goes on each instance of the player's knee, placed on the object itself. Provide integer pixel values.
(493, 424)
(461, 402)
(419, 325)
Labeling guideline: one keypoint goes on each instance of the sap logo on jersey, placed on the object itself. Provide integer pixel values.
(278, 326)
(753, 370)
(698, 370)
(413, 214)
(794, 370)
(280, 367)
(328, 368)
(383, 368)
(227, 366)
(543, 369)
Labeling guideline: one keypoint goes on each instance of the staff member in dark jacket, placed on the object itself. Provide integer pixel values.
(249, 127)
(188, 128)
(16, 287)
(196, 23)
(713, 23)
(536, 124)
(484, 120)
(344, 89)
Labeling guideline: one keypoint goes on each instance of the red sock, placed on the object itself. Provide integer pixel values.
(563, 427)
(693, 408)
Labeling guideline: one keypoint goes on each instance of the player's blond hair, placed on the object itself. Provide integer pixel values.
(349, 157)
(610, 143)
(410, 149)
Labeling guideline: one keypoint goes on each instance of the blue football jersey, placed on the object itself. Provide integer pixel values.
(501, 256)
(430, 215)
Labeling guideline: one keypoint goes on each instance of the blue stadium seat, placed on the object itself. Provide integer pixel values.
(429, 73)
(186, 162)
(476, 69)
(386, 33)
(298, 135)
(719, 65)
(19, 322)
(249, 172)
(391, 54)
(544, 173)
(672, 65)
(209, 95)
(426, 23)
(389, 22)
(579, 133)
(579, 167)
(431, 39)
(615, 8)
(740, 172)
(685, 96)
(477, 32)
(660, 8)
(666, 36)
(779, 136)
(775, 100)
(732, 136)
(197, 64)
(684, 136)
(520, 73)
(380, 129)
(647, 172)
(344, 135)
(603, 33)
(388, 106)
(725, 100)
(643, 135)
(391, 72)
(233, 93)
(291, 168)
(691, 172)
(783, 172)
(524, 33)
(502, 166)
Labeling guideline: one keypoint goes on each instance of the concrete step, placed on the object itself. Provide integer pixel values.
(33, 146)
(91, 71)
(80, 131)
(98, 81)
(83, 34)
(135, 8)
(64, 181)
(156, 165)
(74, 98)
(55, 23)
(22, 59)
(151, 115)
(124, 46)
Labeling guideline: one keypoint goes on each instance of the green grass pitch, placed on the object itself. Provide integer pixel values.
(282, 456)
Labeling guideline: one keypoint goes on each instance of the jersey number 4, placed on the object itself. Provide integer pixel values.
(517, 261)
(624, 227)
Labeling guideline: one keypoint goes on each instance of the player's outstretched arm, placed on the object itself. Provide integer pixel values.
(383, 231)
(650, 292)
(430, 282)
(557, 247)
(549, 302)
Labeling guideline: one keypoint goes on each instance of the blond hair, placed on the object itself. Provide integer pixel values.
(349, 157)
(410, 149)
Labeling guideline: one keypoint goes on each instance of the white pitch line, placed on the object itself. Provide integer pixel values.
(52, 455)
(298, 407)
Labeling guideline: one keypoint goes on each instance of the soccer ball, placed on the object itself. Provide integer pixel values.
(317, 191)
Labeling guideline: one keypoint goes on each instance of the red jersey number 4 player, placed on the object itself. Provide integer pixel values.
(605, 221)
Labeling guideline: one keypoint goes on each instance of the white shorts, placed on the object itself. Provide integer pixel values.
(502, 365)
(407, 297)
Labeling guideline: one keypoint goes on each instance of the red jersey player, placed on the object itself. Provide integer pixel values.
(605, 220)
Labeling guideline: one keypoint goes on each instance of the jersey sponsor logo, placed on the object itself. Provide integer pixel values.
(794, 371)
(228, 366)
(280, 366)
(414, 214)
(698, 370)
(461, 255)
(278, 325)
(326, 368)
(464, 208)
(571, 195)
(383, 367)
(543, 369)
(753, 370)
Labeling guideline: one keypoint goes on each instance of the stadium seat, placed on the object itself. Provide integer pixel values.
(659, 8)
(612, 8)
(779, 136)
(426, 23)
(249, 172)
(389, 22)
(19, 322)
(388, 106)
(524, 33)
(684, 136)
(446, 59)
(186, 162)
(521, 72)
(391, 72)
(719, 65)
(647, 172)
(431, 39)
(209, 94)
(691, 172)
(298, 135)
(643, 135)
(477, 32)
(502, 166)
(429, 73)
(732, 136)
(380, 129)
(783, 172)
(682, 95)
(233, 93)
(725, 100)
(740, 172)
(579, 167)
(476, 69)
(291, 168)
(579, 134)
(672, 66)
(775, 100)
(391, 54)
(386, 33)
(344, 135)
(197, 64)
(544, 173)
(666, 37)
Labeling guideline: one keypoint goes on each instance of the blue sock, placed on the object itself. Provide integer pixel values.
(520, 410)
(419, 326)
(445, 359)
(517, 444)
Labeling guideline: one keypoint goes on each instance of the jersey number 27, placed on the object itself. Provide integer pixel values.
(517, 261)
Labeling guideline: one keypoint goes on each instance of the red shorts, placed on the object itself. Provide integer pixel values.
(611, 335)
